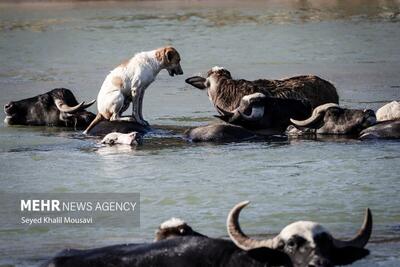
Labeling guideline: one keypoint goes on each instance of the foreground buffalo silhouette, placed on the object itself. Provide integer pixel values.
(302, 243)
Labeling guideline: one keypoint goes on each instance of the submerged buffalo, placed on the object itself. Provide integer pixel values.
(123, 127)
(332, 119)
(299, 244)
(388, 125)
(224, 132)
(382, 130)
(57, 107)
(220, 132)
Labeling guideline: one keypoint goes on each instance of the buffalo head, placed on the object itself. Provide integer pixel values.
(57, 107)
(212, 75)
(307, 243)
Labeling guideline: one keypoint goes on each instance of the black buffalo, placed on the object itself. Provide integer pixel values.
(332, 119)
(225, 132)
(220, 132)
(178, 252)
(57, 107)
(105, 127)
(257, 112)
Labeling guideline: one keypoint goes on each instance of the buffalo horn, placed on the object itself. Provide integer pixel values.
(362, 237)
(237, 236)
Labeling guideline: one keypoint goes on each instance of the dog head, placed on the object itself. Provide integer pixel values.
(170, 59)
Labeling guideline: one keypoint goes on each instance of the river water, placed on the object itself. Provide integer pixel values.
(354, 44)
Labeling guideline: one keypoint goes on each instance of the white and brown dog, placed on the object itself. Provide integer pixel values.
(128, 82)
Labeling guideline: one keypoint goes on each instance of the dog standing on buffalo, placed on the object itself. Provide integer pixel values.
(128, 82)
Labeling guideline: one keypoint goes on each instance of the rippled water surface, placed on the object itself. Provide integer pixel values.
(354, 44)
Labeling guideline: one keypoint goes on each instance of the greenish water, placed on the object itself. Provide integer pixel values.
(352, 44)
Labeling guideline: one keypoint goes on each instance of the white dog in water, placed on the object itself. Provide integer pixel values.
(127, 83)
(133, 138)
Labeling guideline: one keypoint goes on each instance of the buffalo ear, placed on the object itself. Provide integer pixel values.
(197, 81)
(270, 256)
(348, 255)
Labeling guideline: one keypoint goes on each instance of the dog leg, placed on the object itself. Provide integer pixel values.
(96, 120)
(118, 117)
(135, 105)
(141, 108)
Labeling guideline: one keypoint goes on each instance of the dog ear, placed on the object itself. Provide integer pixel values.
(197, 81)
(169, 55)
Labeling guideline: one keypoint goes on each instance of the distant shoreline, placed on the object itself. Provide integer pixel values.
(68, 1)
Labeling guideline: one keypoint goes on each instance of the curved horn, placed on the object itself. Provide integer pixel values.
(236, 234)
(67, 109)
(316, 115)
(224, 112)
(228, 116)
(85, 106)
(362, 237)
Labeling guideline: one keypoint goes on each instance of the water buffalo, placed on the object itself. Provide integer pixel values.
(227, 93)
(257, 111)
(382, 130)
(299, 244)
(182, 251)
(332, 119)
(57, 107)
(388, 125)
(105, 127)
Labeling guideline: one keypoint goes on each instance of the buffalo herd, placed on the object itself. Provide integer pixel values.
(293, 107)
(296, 107)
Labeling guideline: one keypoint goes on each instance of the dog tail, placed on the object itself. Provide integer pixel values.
(95, 121)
